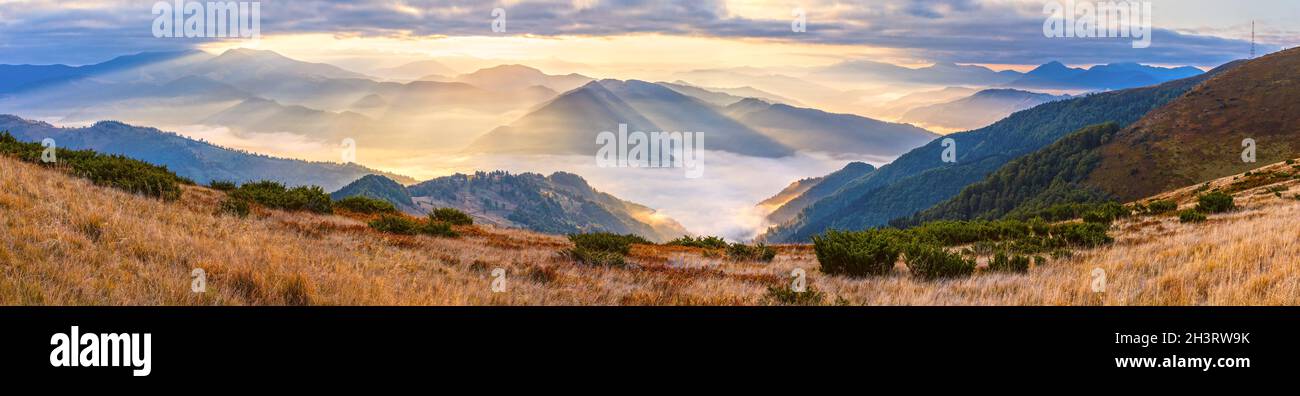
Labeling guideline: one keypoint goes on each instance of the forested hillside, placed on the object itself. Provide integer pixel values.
(920, 179)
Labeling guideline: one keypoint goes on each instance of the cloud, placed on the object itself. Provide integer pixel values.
(962, 31)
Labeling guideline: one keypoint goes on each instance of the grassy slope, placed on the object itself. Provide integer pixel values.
(64, 241)
(1199, 136)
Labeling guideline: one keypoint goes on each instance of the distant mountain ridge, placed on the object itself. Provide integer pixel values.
(1055, 75)
(198, 161)
(1051, 75)
(816, 130)
(562, 203)
(978, 110)
(569, 124)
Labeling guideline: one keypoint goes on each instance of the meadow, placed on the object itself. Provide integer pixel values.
(67, 241)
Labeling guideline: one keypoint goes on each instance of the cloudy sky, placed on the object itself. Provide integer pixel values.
(686, 33)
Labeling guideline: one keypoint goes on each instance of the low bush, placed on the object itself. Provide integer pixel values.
(438, 228)
(1082, 234)
(931, 262)
(1013, 263)
(223, 185)
(1215, 202)
(1070, 211)
(743, 252)
(1162, 206)
(786, 296)
(275, 196)
(607, 242)
(1191, 216)
(596, 257)
(365, 205)
(862, 253)
(402, 225)
(709, 242)
(452, 216)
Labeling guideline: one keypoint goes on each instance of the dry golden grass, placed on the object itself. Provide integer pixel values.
(64, 241)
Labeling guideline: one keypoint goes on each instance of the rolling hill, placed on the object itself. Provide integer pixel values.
(381, 188)
(816, 130)
(569, 124)
(1193, 139)
(562, 203)
(787, 204)
(919, 179)
(198, 161)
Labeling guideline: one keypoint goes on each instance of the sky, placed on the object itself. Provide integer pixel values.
(688, 34)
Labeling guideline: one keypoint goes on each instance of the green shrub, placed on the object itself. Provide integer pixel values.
(951, 233)
(596, 257)
(275, 196)
(602, 248)
(452, 216)
(366, 205)
(709, 242)
(786, 296)
(402, 225)
(223, 185)
(743, 252)
(930, 262)
(1215, 202)
(1163, 206)
(1040, 261)
(1191, 216)
(396, 224)
(1071, 211)
(1098, 217)
(234, 207)
(1004, 263)
(438, 228)
(607, 242)
(136, 177)
(862, 253)
(1081, 234)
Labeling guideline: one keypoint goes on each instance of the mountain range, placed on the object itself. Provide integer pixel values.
(1051, 75)
(1054, 75)
(569, 124)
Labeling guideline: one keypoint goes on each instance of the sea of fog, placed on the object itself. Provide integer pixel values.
(720, 202)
